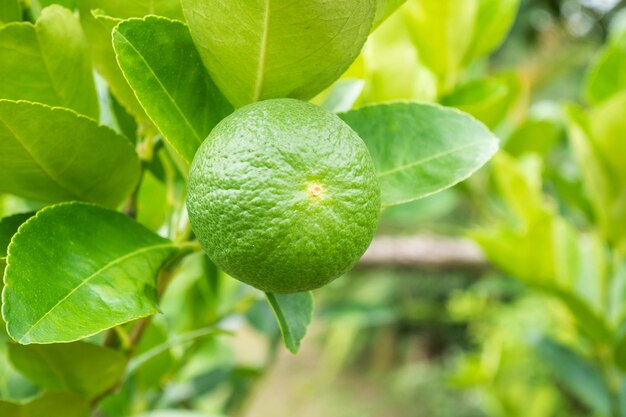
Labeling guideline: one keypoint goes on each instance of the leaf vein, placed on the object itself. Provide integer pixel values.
(110, 264)
(260, 76)
(165, 90)
(429, 158)
(41, 165)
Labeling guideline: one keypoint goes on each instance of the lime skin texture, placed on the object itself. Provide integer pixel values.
(283, 196)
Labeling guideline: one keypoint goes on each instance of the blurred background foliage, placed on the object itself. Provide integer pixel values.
(540, 333)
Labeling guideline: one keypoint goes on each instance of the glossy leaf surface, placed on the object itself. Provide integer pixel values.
(279, 49)
(420, 149)
(76, 269)
(160, 62)
(52, 154)
(48, 63)
(81, 368)
(294, 313)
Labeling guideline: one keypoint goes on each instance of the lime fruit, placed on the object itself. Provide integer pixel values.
(283, 196)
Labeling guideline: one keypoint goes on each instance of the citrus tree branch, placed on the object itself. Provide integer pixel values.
(424, 252)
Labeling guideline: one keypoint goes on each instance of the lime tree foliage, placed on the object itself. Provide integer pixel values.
(118, 271)
(557, 224)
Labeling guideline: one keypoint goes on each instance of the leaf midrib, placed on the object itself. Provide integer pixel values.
(260, 75)
(40, 164)
(108, 265)
(196, 135)
(430, 158)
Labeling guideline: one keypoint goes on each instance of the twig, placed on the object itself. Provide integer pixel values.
(140, 328)
(424, 252)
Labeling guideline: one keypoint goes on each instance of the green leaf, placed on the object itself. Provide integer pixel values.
(8, 227)
(620, 352)
(392, 68)
(621, 397)
(62, 156)
(279, 49)
(607, 76)
(607, 126)
(81, 368)
(50, 404)
(520, 185)
(493, 22)
(99, 26)
(489, 100)
(13, 385)
(526, 254)
(420, 149)
(451, 34)
(38, 5)
(196, 297)
(442, 32)
(601, 181)
(538, 134)
(540, 248)
(579, 375)
(617, 307)
(11, 204)
(76, 269)
(589, 322)
(384, 8)
(155, 367)
(124, 121)
(343, 95)
(10, 11)
(98, 31)
(294, 313)
(152, 202)
(532, 227)
(160, 62)
(48, 63)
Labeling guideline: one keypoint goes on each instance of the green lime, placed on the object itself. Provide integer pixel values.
(283, 196)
